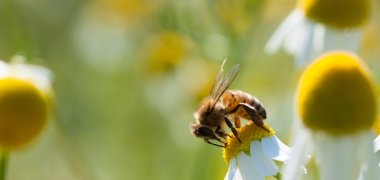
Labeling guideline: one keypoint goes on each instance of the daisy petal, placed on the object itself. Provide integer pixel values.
(289, 24)
(40, 76)
(237, 175)
(275, 149)
(4, 69)
(319, 38)
(264, 164)
(299, 42)
(346, 154)
(247, 167)
(345, 40)
(301, 149)
(305, 52)
(231, 170)
(377, 143)
(369, 168)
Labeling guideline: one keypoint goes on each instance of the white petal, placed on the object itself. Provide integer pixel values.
(287, 26)
(339, 157)
(377, 143)
(319, 38)
(237, 175)
(303, 43)
(247, 167)
(38, 75)
(4, 69)
(294, 41)
(345, 40)
(263, 163)
(275, 149)
(300, 152)
(231, 170)
(369, 168)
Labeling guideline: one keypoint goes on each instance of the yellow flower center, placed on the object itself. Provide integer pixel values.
(247, 134)
(23, 113)
(335, 95)
(337, 13)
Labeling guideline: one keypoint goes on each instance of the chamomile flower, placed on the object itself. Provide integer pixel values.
(252, 158)
(337, 106)
(25, 96)
(317, 26)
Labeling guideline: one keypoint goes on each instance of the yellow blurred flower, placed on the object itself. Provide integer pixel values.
(121, 12)
(164, 51)
(25, 99)
(337, 105)
(237, 15)
(317, 26)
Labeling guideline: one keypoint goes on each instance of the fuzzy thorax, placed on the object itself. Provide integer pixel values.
(247, 134)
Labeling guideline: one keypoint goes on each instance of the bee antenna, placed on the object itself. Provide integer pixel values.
(209, 110)
(214, 103)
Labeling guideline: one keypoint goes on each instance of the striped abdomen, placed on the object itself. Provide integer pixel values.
(231, 99)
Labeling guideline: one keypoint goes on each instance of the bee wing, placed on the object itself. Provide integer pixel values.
(217, 82)
(225, 82)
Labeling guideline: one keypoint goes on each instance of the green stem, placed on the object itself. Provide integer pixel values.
(3, 165)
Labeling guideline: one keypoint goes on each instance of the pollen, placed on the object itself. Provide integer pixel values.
(336, 95)
(339, 14)
(23, 113)
(247, 134)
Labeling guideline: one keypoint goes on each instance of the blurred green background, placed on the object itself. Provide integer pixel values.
(130, 73)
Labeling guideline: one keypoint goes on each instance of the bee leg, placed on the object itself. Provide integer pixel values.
(207, 141)
(221, 133)
(237, 122)
(251, 111)
(229, 124)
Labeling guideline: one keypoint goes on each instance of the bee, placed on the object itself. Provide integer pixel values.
(221, 106)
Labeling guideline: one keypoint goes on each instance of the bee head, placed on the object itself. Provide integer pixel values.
(201, 131)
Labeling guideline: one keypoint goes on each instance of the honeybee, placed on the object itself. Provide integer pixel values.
(221, 105)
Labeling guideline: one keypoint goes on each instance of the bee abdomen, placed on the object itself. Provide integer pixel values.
(259, 107)
(232, 98)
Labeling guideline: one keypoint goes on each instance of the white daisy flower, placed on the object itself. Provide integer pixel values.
(252, 158)
(314, 27)
(25, 99)
(337, 106)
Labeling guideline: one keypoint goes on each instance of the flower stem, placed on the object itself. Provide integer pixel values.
(3, 165)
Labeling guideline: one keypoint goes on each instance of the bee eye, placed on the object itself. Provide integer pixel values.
(204, 131)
